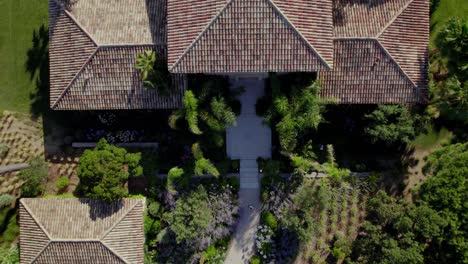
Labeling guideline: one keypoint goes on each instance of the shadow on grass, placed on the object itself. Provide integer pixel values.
(37, 65)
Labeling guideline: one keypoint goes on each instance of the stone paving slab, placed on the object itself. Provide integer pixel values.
(250, 139)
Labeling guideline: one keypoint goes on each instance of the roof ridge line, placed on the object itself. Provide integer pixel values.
(59, 98)
(40, 252)
(120, 220)
(112, 228)
(127, 45)
(201, 34)
(114, 252)
(70, 15)
(394, 18)
(354, 38)
(393, 59)
(35, 220)
(298, 32)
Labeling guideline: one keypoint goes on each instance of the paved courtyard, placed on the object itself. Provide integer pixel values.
(247, 141)
(250, 139)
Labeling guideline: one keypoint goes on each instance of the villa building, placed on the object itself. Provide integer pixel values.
(81, 230)
(363, 52)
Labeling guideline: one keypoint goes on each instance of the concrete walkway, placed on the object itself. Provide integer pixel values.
(247, 141)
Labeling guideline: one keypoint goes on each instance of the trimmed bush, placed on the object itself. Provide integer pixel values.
(33, 178)
(255, 260)
(270, 220)
(5, 200)
(3, 150)
(154, 209)
(62, 183)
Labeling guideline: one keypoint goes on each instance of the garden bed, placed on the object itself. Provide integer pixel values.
(302, 221)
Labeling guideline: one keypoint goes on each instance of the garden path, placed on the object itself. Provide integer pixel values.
(247, 141)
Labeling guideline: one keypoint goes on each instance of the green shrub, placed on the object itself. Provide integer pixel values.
(5, 200)
(104, 171)
(255, 260)
(270, 220)
(62, 183)
(154, 209)
(338, 253)
(33, 178)
(173, 177)
(9, 255)
(151, 227)
(3, 150)
(271, 168)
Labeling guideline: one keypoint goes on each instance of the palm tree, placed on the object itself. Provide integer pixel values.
(145, 66)
(202, 164)
(189, 112)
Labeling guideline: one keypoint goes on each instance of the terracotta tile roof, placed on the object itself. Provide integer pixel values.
(246, 36)
(109, 80)
(81, 231)
(364, 18)
(70, 47)
(401, 30)
(249, 36)
(365, 74)
(314, 21)
(74, 252)
(188, 18)
(88, 74)
(407, 40)
(93, 46)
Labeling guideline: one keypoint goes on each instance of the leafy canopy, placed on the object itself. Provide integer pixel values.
(189, 112)
(191, 216)
(202, 164)
(33, 178)
(390, 124)
(446, 191)
(450, 91)
(104, 171)
(294, 113)
(396, 231)
(153, 71)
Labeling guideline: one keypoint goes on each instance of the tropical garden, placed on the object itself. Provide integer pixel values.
(392, 185)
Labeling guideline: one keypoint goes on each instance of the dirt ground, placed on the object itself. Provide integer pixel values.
(416, 159)
(24, 137)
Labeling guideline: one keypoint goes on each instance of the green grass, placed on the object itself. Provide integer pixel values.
(8, 226)
(432, 138)
(18, 20)
(445, 10)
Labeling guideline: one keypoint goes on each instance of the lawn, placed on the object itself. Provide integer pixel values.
(445, 10)
(432, 138)
(18, 21)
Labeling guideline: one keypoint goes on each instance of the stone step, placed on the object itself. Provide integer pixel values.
(248, 163)
(249, 180)
(248, 170)
(249, 175)
(249, 185)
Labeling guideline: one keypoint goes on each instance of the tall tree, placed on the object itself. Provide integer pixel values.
(294, 113)
(191, 216)
(450, 92)
(390, 124)
(189, 112)
(447, 192)
(396, 231)
(104, 171)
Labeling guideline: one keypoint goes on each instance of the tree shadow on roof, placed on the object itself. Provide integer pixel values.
(157, 17)
(100, 209)
(340, 6)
